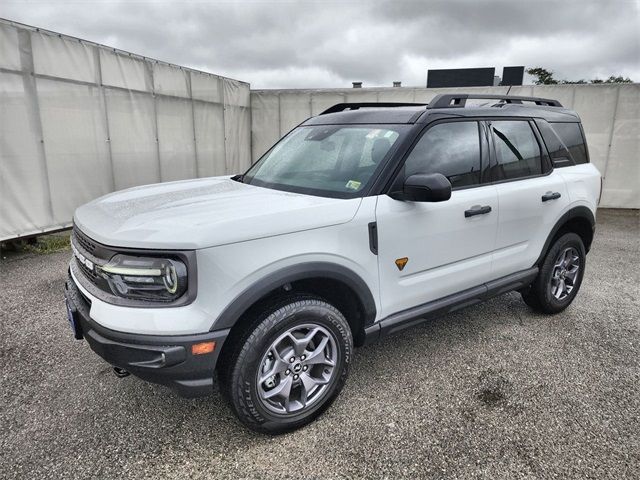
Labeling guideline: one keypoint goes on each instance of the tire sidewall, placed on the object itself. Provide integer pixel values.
(246, 399)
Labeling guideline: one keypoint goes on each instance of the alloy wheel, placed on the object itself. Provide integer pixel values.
(565, 273)
(297, 369)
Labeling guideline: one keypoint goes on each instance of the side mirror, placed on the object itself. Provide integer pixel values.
(426, 187)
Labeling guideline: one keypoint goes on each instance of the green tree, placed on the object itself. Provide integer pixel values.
(543, 76)
(613, 79)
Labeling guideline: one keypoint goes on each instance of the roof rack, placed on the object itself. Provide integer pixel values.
(458, 100)
(341, 107)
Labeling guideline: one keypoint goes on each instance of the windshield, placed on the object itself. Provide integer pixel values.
(326, 160)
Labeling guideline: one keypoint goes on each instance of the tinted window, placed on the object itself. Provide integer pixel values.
(571, 136)
(452, 149)
(517, 150)
(560, 156)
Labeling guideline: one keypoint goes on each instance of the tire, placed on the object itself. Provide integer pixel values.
(546, 294)
(268, 346)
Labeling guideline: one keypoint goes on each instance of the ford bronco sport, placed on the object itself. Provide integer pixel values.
(361, 221)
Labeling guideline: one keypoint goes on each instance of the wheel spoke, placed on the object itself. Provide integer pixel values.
(307, 338)
(317, 355)
(308, 384)
(571, 275)
(300, 344)
(282, 390)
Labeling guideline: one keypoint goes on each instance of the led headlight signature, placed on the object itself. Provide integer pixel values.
(145, 278)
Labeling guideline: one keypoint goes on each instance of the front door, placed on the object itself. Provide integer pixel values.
(430, 250)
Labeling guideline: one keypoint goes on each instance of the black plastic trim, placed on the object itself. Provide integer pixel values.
(459, 100)
(162, 359)
(373, 237)
(430, 310)
(551, 196)
(576, 212)
(340, 107)
(477, 211)
(302, 271)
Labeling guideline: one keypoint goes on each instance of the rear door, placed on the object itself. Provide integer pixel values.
(429, 250)
(531, 195)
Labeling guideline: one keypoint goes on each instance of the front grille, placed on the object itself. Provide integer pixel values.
(90, 274)
(84, 241)
(90, 250)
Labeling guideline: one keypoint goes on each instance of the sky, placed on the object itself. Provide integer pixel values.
(331, 43)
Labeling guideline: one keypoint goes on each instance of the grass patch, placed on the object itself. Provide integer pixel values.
(41, 245)
(50, 243)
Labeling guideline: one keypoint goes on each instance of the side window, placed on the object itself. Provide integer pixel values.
(571, 136)
(560, 156)
(517, 151)
(452, 149)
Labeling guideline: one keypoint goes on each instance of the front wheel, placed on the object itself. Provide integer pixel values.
(290, 366)
(560, 276)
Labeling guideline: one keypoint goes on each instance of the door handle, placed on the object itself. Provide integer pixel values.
(477, 210)
(550, 196)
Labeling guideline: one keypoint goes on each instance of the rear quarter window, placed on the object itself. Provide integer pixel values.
(565, 143)
(571, 136)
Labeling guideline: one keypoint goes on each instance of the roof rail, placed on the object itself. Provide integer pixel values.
(458, 100)
(341, 107)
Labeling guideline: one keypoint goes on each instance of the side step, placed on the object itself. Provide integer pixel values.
(437, 308)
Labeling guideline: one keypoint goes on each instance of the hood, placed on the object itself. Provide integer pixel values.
(203, 213)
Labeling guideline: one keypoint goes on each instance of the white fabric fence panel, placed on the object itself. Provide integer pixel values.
(75, 146)
(79, 120)
(134, 149)
(610, 116)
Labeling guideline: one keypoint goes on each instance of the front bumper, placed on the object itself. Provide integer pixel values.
(166, 360)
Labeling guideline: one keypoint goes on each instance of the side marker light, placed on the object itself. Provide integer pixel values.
(202, 348)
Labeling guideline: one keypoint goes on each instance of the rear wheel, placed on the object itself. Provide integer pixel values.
(290, 366)
(560, 276)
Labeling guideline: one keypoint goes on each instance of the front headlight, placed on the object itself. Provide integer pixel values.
(145, 278)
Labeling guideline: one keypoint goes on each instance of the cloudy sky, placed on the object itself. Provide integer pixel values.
(330, 43)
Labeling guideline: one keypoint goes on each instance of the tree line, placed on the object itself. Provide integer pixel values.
(545, 77)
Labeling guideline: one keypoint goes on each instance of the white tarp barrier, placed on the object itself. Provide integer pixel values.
(237, 125)
(77, 155)
(79, 120)
(132, 131)
(610, 116)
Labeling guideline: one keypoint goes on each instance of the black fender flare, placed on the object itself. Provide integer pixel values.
(575, 212)
(232, 313)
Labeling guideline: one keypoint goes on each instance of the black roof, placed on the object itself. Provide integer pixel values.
(447, 105)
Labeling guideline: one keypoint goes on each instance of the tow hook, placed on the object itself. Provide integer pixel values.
(120, 372)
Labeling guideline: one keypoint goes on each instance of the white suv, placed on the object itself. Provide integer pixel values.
(362, 221)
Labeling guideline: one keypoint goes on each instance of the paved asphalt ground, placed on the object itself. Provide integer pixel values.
(493, 391)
